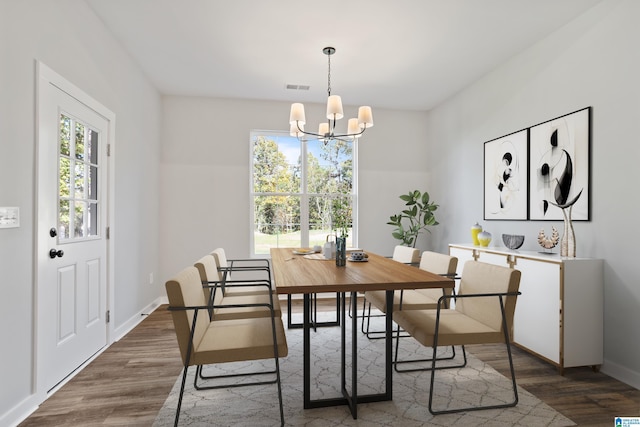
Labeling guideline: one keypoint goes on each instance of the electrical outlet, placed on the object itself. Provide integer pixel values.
(151, 278)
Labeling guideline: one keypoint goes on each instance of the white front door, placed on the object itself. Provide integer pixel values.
(71, 233)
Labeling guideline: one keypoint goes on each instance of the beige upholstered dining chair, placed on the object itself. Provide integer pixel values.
(411, 299)
(203, 341)
(244, 269)
(483, 314)
(220, 292)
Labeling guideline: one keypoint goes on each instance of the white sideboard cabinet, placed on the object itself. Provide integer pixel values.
(559, 315)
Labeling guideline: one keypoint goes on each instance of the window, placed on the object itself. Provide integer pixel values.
(301, 191)
(78, 180)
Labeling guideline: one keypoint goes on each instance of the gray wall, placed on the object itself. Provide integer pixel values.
(594, 61)
(66, 36)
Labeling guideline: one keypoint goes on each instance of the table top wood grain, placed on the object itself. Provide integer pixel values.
(295, 274)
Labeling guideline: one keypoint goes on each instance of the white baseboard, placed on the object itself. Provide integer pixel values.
(20, 412)
(621, 373)
(134, 320)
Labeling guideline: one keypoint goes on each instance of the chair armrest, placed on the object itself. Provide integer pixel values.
(236, 283)
(483, 295)
(489, 294)
(231, 269)
(208, 307)
(249, 260)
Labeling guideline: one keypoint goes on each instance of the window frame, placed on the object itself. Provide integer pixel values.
(302, 193)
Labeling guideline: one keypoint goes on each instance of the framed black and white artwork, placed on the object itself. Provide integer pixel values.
(559, 167)
(505, 177)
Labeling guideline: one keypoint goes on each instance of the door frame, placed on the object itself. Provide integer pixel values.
(45, 75)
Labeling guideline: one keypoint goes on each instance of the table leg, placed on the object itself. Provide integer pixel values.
(306, 350)
(388, 347)
(352, 399)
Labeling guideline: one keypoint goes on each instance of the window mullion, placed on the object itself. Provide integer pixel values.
(354, 193)
(304, 197)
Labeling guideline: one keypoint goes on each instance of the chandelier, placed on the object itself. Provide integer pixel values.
(327, 130)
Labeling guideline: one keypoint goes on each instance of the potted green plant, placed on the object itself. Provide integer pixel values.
(416, 218)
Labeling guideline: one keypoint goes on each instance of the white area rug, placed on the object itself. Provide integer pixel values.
(477, 383)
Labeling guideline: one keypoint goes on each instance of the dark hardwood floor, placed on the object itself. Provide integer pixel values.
(128, 383)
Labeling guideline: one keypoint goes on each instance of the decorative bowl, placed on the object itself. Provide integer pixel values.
(513, 241)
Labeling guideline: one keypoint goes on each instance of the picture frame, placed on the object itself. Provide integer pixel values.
(506, 172)
(559, 152)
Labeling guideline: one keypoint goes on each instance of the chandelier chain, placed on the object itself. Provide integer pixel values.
(329, 76)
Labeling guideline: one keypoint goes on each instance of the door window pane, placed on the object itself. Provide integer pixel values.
(78, 170)
(65, 177)
(65, 135)
(92, 183)
(80, 209)
(79, 180)
(79, 141)
(64, 220)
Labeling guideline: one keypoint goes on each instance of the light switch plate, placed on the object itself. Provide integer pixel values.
(9, 217)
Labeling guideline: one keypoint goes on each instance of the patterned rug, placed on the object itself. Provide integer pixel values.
(475, 384)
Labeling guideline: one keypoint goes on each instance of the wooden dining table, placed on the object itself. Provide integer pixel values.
(310, 274)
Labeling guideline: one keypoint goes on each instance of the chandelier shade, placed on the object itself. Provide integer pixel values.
(335, 112)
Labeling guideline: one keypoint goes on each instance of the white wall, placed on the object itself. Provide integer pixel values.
(594, 62)
(205, 173)
(66, 36)
(202, 166)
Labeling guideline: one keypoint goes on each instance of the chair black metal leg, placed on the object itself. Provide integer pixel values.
(199, 374)
(184, 380)
(475, 408)
(313, 307)
(373, 335)
(397, 362)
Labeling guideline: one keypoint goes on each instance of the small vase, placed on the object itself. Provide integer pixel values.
(341, 251)
(568, 242)
(475, 229)
(484, 238)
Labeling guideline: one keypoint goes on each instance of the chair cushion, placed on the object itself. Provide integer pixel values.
(438, 263)
(406, 254)
(455, 328)
(480, 277)
(238, 340)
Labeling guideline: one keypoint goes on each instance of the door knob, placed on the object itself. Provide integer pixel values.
(56, 253)
(53, 232)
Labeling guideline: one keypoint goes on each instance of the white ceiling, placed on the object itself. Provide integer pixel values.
(402, 54)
